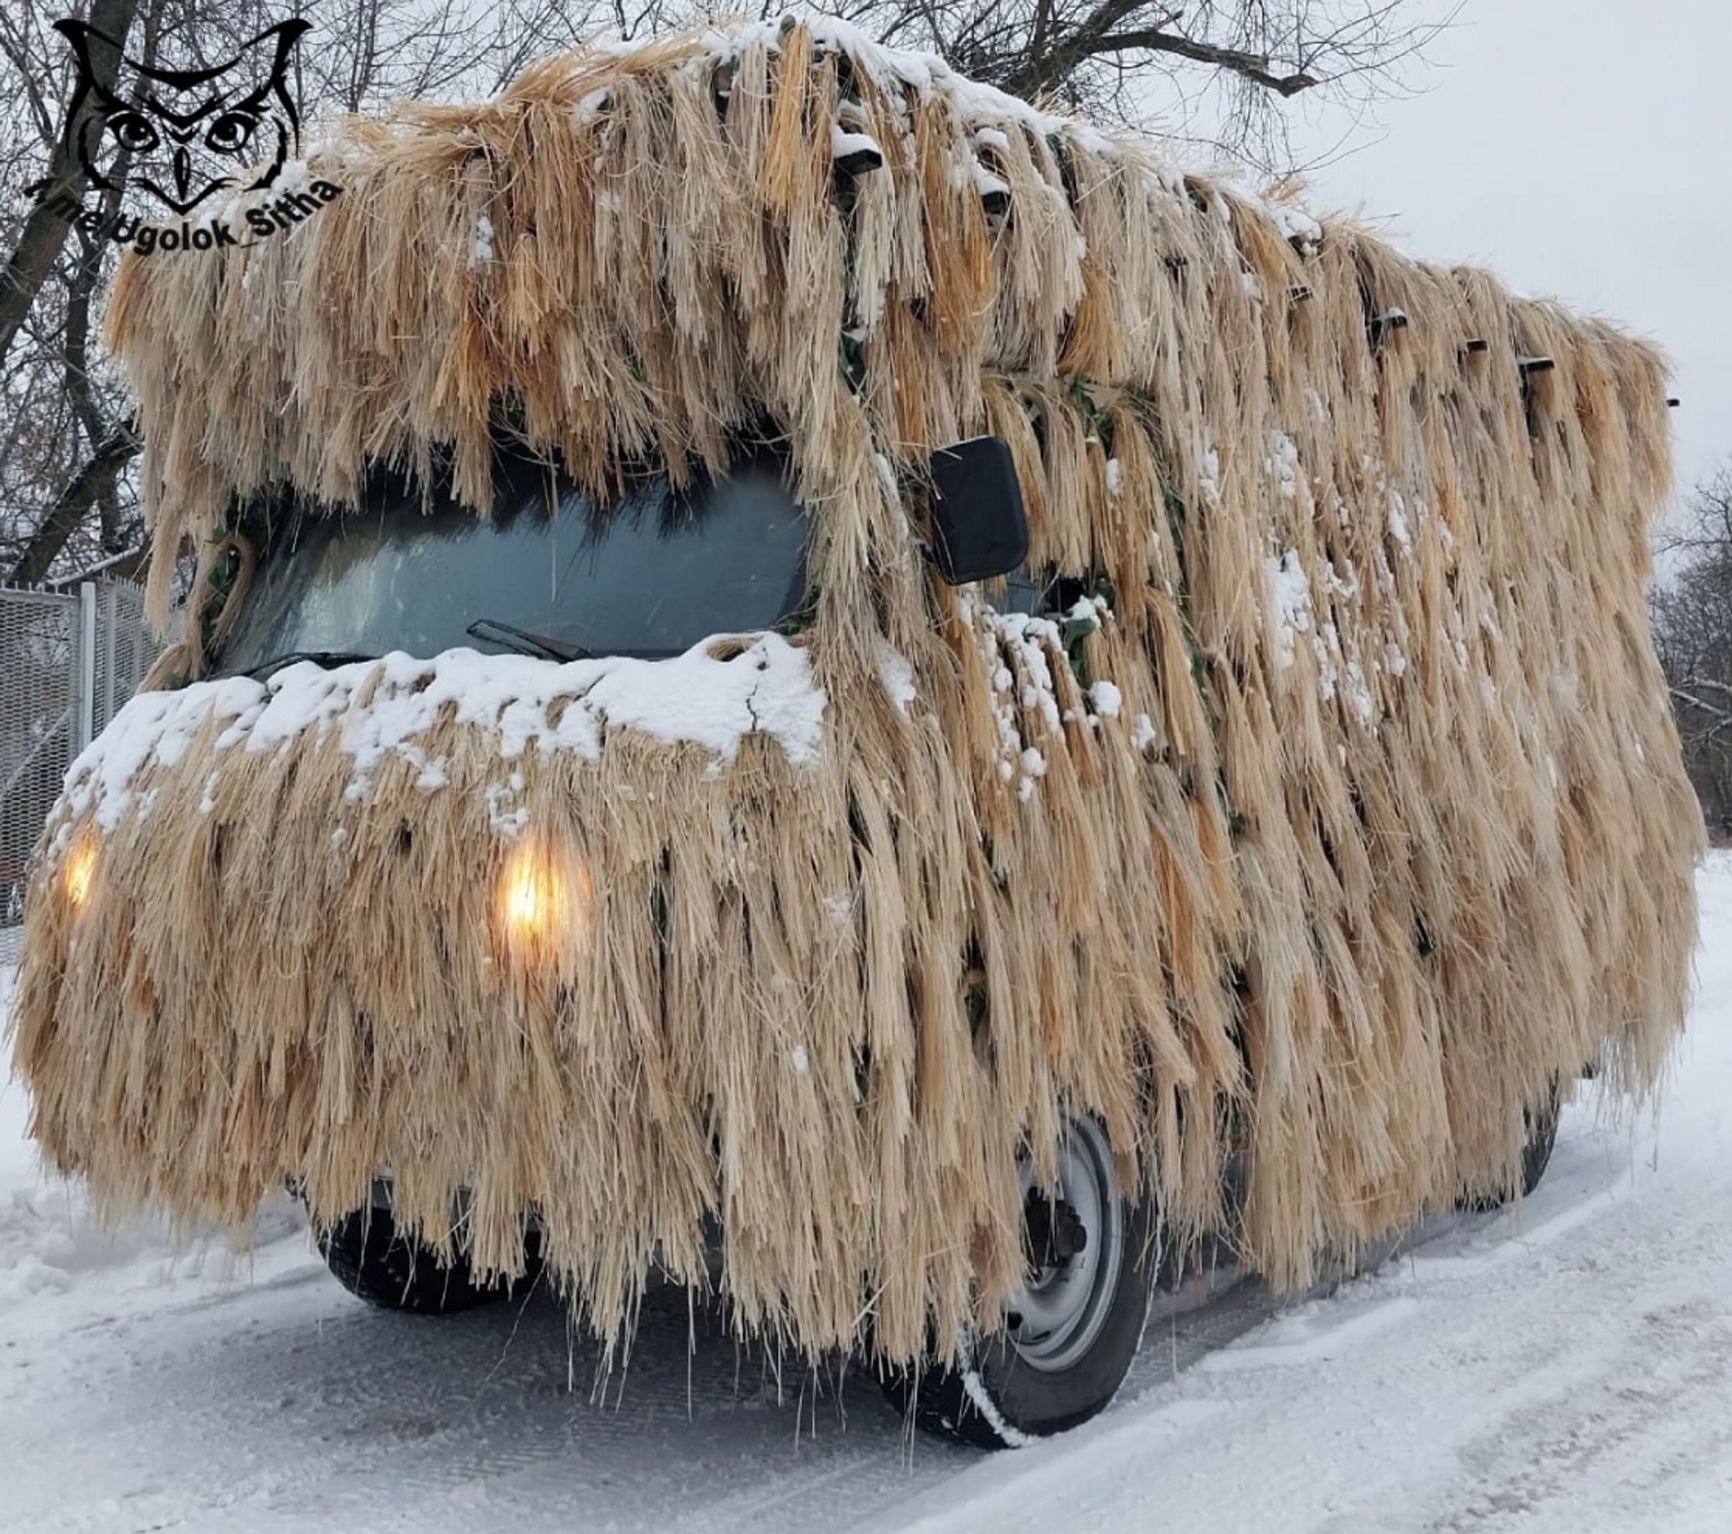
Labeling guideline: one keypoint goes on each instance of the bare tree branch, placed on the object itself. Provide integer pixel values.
(45, 229)
(73, 505)
(1692, 622)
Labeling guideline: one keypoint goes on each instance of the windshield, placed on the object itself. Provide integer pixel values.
(649, 574)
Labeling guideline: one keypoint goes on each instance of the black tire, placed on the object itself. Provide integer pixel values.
(1001, 1394)
(1539, 1136)
(374, 1263)
(1542, 1135)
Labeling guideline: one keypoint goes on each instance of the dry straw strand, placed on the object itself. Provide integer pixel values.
(1354, 819)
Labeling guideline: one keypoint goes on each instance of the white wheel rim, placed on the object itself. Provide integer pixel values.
(1057, 1315)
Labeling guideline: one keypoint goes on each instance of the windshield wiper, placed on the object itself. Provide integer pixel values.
(325, 658)
(526, 643)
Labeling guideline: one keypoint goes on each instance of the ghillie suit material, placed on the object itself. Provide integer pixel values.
(1342, 814)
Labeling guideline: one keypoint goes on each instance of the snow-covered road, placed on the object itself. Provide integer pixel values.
(1565, 1367)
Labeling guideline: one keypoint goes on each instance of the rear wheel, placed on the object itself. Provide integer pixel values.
(1539, 1135)
(1069, 1336)
(368, 1257)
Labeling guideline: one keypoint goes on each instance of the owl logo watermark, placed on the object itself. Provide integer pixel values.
(185, 144)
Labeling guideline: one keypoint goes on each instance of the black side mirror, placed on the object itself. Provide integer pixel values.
(979, 529)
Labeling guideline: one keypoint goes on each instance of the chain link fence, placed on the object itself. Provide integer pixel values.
(68, 661)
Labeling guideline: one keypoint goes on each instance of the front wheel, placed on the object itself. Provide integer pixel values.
(1069, 1336)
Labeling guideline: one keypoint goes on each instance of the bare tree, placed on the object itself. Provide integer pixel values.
(66, 445)
(1692, 615)
(1217, 71)
(44, 231)
(1220, 71)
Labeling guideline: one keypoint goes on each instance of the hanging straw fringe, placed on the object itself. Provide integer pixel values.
(1379, 825)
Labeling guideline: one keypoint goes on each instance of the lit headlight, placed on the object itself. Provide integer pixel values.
(78, 872)
(542, 905)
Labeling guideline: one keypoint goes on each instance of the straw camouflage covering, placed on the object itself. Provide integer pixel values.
(1344, 816)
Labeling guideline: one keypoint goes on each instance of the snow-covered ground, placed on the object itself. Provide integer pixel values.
(1565, 1366)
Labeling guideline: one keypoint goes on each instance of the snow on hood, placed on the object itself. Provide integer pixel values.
(692, 698)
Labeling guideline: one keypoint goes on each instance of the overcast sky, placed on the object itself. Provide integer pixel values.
(1582, 149)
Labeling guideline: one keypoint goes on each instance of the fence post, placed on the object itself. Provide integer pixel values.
(84, 678)
(110, 627)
